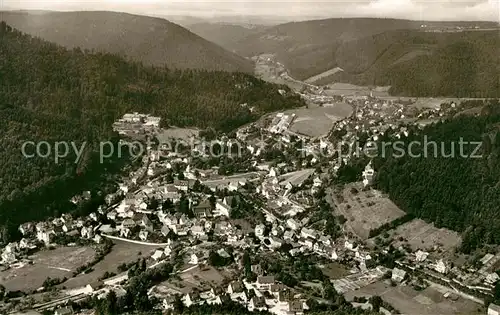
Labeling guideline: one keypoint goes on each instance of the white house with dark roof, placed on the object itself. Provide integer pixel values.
(128, 224)
(125, 232)
(26, 228)
(87, 232)
(368, 174)
(257, 303)
(197, 230)
(420, 256)
(265, 282)
(259, 230)
(198, 257)
(158, 255)
(294, 225)
(288, 235)
(492, 278)
(64, 311)
(398, 275)
(441, 266)
(143, 235)
(275, 242)
(191, 298)
(165, 230)
(146, 223)
(295, 307)
(326, 240)
(182, 185)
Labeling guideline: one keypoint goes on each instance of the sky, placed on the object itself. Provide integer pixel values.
(485, 10)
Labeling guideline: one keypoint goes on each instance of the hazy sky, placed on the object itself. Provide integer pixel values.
(417, 9)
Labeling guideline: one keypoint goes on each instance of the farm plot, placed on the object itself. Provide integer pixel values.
(177, 133)
(409, 301)
(359, 280)
(366, 210)
(347, 89)
(122, 252)
(195, 278)
(422, 235)
(323, 75)
(318, 121)
(57, 263)
(335, 270)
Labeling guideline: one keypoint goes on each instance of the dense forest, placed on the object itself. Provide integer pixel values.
(467, 65)
(456, 186)
(48, 93)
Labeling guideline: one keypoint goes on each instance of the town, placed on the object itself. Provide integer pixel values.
(258, 217)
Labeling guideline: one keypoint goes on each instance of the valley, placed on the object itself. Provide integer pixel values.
(318, 167)
(405, 55)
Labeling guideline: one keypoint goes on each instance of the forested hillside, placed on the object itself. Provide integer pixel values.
(153, 41)
(417, 63)
(451, 188)
(48, 93)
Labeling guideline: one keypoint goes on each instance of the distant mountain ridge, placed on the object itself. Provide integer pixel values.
(150, 40)
(385, 52)
(226, 35)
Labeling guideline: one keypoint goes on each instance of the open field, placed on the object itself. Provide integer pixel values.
(366, 210)
(323, 75)
(409, 301)
(122, 252)
(177, 133)
(348, 89)
(196, 278)
(422, 235)
(421, 122)
(318, 121)
(334, 270)
(433, 103)
(412, 55)
(57, 263)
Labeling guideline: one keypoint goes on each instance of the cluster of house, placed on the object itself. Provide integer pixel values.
(207, 218)
(263, 294)
(303, 240)
(482, 279)
(123, 217)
